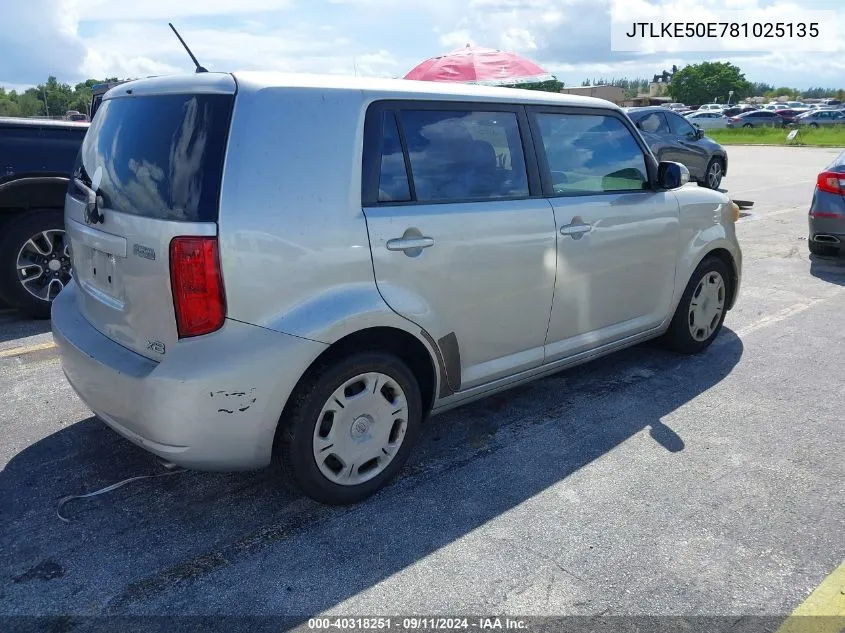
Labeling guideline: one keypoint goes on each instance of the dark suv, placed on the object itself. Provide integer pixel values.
(37, 160)
(672, 137)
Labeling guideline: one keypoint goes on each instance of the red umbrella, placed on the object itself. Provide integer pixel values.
(480, 66)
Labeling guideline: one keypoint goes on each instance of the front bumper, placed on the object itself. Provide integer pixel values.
(213, 403)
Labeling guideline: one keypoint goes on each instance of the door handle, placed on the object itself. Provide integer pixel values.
(575, 230)
(409, 243)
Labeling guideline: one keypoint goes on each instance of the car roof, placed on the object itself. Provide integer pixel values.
(377, 88)
(27, 122)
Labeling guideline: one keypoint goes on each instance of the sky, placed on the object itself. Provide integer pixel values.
(78, 39)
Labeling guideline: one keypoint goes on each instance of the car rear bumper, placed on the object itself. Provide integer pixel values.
(212, 403)
(829, 225)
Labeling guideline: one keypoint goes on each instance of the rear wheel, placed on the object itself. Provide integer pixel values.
(701, 311)
(34, 260)
(814, 125)
(747, 125)
(350, 427)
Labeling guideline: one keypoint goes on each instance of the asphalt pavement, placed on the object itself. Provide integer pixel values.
(643, 483)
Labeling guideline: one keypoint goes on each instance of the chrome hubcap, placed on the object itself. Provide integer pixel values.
(715, 175)
(360, 429)
(706, 306)
(44, 264)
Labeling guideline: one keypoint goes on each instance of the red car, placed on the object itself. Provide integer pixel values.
(789, 115)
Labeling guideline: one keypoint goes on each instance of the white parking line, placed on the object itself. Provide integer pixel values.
(785, 313)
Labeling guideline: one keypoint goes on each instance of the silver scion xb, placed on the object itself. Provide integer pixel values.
(306, 267)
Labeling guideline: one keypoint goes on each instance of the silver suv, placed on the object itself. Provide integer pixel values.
(306, 267)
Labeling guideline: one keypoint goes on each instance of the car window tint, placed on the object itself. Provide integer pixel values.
(680, 126)
(591, 154)
(653, 122)
(462, 155)
(393, 178)
(161, 156)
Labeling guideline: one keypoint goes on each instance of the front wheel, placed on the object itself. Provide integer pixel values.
(701, 311)
(713, 174)
(814, 125)
(350, 427)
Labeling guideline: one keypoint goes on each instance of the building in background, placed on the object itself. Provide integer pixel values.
(608, 93)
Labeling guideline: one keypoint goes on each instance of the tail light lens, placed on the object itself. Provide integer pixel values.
(734, 119)
(197, 284)
(831, 182)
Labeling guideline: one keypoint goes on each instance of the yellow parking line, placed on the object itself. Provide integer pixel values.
(26, 349)
(823, 611)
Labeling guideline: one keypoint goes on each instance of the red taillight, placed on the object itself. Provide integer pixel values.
(197, 285)
(831, 182)
(734, 119)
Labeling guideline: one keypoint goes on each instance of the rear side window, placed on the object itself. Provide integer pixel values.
(464, 155)
(393, 179)
(160, 156)
(589, 153)
(654, 122)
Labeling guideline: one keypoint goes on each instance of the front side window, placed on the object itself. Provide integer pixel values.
(680, 127)
(589, 153)
(464, 155)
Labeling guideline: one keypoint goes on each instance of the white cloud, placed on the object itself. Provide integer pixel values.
(457, 39)
(164, 10)
(37, 39)
(76, 39)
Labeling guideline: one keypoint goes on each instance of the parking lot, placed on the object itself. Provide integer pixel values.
(643, 483)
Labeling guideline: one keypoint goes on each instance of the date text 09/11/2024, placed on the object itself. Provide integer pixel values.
(682, 30)
(417, 624)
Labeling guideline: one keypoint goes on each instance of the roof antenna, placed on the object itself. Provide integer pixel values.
(200, 69)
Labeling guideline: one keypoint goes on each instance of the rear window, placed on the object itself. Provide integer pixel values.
(160, 156)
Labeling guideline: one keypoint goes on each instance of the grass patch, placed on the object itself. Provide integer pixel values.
(821, 137)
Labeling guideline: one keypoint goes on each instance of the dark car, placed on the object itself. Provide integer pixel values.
(827, 210)
(734, 110)
(38, 157)
(756, 118)
(789, 115)
(672, 137)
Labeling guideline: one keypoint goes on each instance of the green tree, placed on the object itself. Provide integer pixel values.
(701, 83)
(52, 95)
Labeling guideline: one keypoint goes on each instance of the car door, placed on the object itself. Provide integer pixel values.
(688, 146)
(655, 130)
(462, 240)
(617, 238)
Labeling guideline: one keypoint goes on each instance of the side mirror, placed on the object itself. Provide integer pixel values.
(672, 175)
(699, 133)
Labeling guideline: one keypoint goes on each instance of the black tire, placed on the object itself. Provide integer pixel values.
(814, 125)
(706, 182)
(300, 418)
(824, 250)
(678, 337)
(747, 125)
(16, 231)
